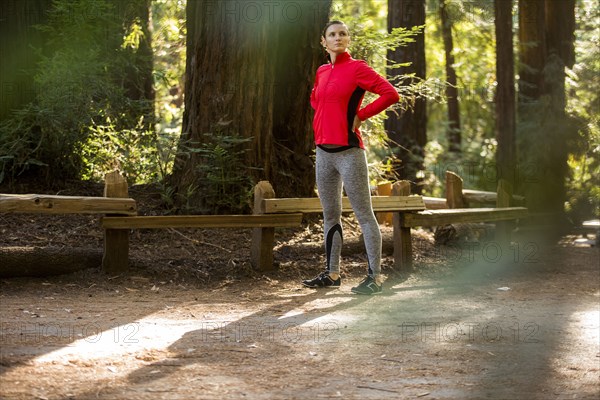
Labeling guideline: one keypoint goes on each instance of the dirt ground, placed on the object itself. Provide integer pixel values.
(191, 320)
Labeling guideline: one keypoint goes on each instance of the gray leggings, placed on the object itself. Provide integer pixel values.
(350, 168)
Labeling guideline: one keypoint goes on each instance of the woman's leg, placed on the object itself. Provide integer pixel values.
(329, 185)
(355, 175)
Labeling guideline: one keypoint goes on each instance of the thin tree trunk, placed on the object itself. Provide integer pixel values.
(408, 131)
(453, 129)
(505, 94)
(138, 77)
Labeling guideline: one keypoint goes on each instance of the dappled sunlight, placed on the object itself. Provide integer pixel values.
(413, 291)
(577, 359)
(330, 301)
(179, 337)
(121, 342)
(148, 338)
(586, 325)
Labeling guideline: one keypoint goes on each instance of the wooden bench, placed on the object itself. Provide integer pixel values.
(119, 216)
(115, 202)
(271, 222)
(457, 211)
(442, 217)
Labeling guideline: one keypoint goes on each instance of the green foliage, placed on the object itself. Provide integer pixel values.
(226, 187)
(475, 165)
(78, 82)
(475, 63)
(169, 53)
(142, 154)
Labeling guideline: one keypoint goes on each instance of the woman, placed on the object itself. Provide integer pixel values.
(336, 97)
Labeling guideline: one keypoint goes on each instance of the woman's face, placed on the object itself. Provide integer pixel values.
(337, 39)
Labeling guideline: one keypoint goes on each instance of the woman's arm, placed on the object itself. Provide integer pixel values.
(370, 80)
(313, 97)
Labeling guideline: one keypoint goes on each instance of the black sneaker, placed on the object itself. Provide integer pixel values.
(322, 280)
(367, 286)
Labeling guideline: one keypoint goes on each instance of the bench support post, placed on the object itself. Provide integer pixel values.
(116, 241)
(454, 191)
(263, 239)
(503, 228)
(402, 236)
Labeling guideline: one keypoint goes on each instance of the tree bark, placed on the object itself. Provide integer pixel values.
(246, 77)
(291, 169)
(560, 29)
(453, 130)
(532, 50)
(505, 94)
(408, 131)
(546, 38)
(560, 26)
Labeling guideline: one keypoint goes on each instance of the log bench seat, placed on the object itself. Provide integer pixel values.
(50, 204)
(462, 215)
(426, 218)
(203, 221)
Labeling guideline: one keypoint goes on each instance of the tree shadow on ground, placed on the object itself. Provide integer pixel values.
(280, 324)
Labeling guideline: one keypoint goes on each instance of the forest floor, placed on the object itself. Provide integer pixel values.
(192, 320)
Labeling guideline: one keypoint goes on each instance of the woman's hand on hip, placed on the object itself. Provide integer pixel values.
(356, 124)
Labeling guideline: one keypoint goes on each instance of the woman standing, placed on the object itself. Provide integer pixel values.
(336, 97)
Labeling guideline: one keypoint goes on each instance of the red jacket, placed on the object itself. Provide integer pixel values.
(337, 96)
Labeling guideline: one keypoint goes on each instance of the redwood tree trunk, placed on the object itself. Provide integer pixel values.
(453, 129)
(505, 94)
(408, 131)
(532, 59)
(546, 35)
(560, 27)
(247, 76)
(291, 168)
(532, 50)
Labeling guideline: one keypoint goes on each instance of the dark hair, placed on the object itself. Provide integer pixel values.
(332, 22)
